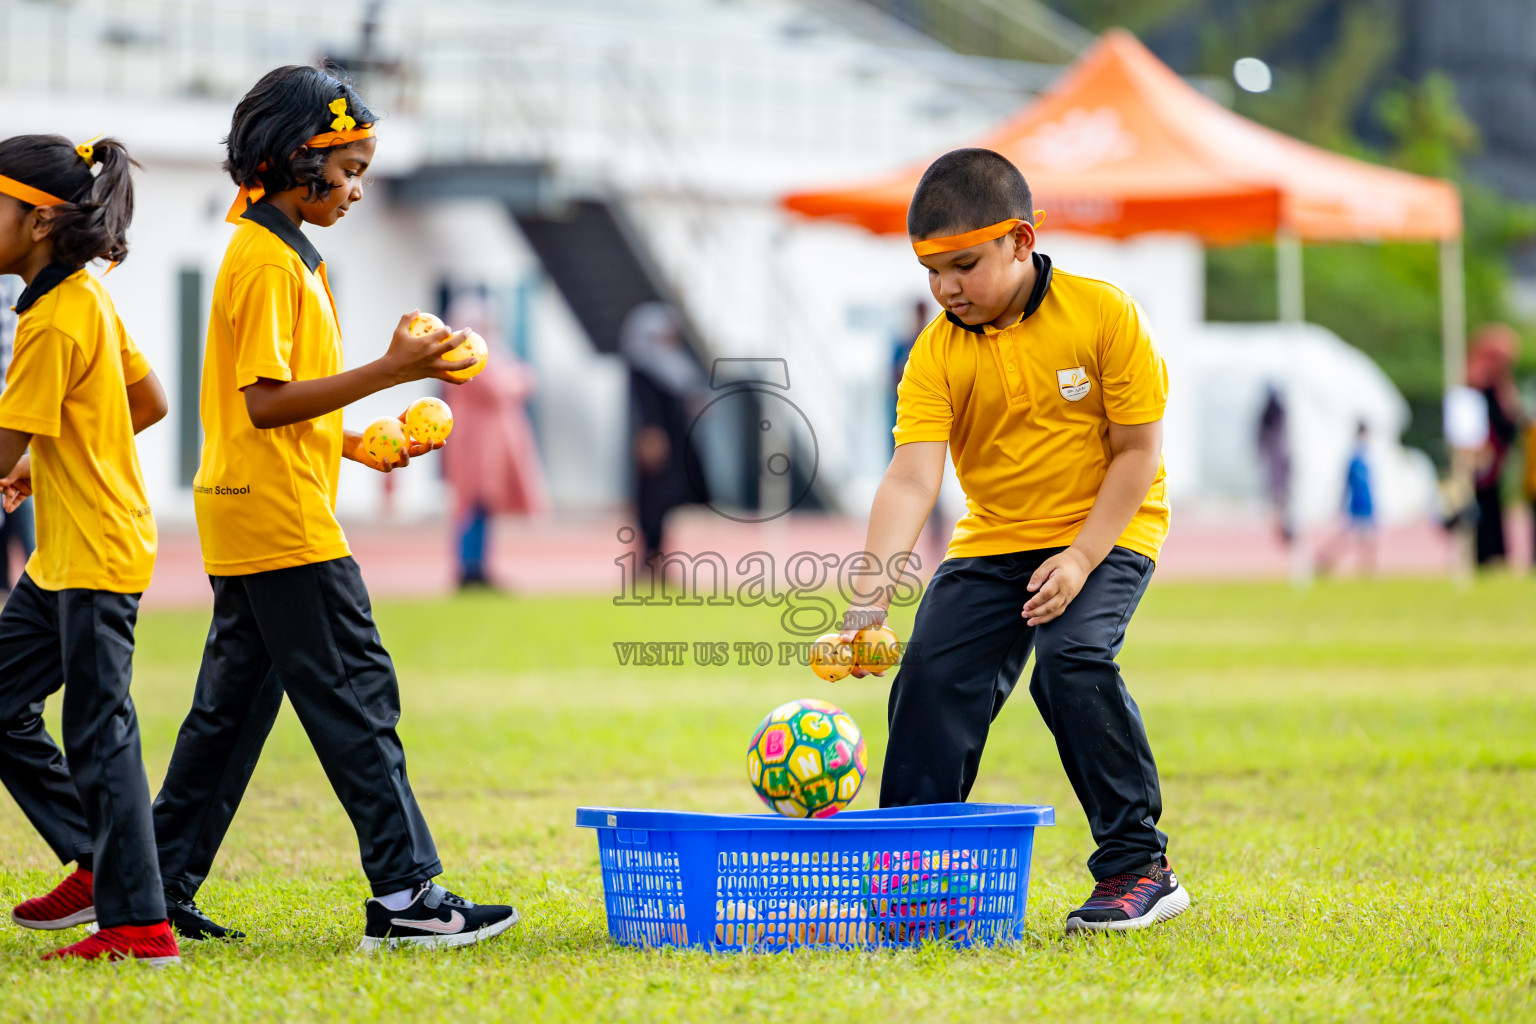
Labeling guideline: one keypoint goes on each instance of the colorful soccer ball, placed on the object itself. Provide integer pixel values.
(806, 759)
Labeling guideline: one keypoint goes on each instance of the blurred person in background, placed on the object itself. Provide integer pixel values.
(667, 389)
(1359, 510)
(1490, 371)
(18, 533)
(498, 470)
(1530, 482)
(1274, 446)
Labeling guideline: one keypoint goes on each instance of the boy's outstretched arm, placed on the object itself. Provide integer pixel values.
(902, 504)
(1135, 452)
(276, 403)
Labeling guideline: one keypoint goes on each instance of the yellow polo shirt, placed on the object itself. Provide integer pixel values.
(266, 499)
(1026, 411)
(66, 386)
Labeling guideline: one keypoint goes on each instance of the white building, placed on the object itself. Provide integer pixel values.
(688, 119)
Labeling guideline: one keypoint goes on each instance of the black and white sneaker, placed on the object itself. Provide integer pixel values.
(435, 918)
(1136, 899)
(190, 923)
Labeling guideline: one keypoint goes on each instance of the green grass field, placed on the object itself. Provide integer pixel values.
(1349, 777)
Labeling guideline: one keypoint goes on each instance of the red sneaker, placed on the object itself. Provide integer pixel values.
(69, 904)
(153, 944)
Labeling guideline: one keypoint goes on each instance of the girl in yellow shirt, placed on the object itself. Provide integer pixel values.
(290, 611)
(77, 391)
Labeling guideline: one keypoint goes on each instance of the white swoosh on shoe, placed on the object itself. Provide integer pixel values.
(454, 924)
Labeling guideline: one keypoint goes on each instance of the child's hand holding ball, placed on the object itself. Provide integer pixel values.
(472, 347)
(872, 645)
(388, 444)
(383, 446)
(423, 346)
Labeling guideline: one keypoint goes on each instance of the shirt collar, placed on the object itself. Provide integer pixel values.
(277, 222)
(47, 279)
(1036, 297)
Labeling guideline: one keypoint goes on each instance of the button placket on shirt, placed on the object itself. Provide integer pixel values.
(1010, 365)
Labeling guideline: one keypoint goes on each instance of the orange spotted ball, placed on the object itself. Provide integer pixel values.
(424, 324)
(875, 648)
(429, 420)
(472, 346)
(384, 441)
(831, 659)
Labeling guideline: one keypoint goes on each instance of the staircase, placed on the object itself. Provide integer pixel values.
(591, 258)
(602, 270)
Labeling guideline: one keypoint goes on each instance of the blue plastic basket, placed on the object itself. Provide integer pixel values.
(890, 877)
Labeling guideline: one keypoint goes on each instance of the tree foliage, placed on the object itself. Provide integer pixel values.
(1335, 86)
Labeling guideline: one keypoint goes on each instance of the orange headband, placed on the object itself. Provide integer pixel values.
(949, 243)
(27, 194)
(250, 195)
(36, 196)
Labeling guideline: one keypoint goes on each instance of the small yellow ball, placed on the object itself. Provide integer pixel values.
(831, 659)
(424, 324)
(384, 441)
(875, 648)
(429, 420)
(474, 347)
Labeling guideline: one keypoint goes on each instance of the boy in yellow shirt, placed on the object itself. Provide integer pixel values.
(77, 391)
(1048, 393)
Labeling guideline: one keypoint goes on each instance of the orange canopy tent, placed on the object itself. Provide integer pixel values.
(1122, 145)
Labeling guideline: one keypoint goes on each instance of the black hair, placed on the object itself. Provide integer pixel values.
(92, 222)
(272, 123)
(966, 189)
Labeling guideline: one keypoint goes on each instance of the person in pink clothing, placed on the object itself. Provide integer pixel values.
(498, 471)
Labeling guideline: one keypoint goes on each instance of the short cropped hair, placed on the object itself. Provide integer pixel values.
(966, 189)
(283, 111)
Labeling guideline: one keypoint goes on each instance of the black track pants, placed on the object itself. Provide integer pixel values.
(306, 631)
(97, 800)
(967, 651)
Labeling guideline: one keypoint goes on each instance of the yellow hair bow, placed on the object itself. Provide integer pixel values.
(87, 151)
(252, 193)
(344, 122)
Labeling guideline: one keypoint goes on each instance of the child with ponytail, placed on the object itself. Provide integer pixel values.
(77, 391)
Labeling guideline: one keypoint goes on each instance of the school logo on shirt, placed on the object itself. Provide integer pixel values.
(1074, 383)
